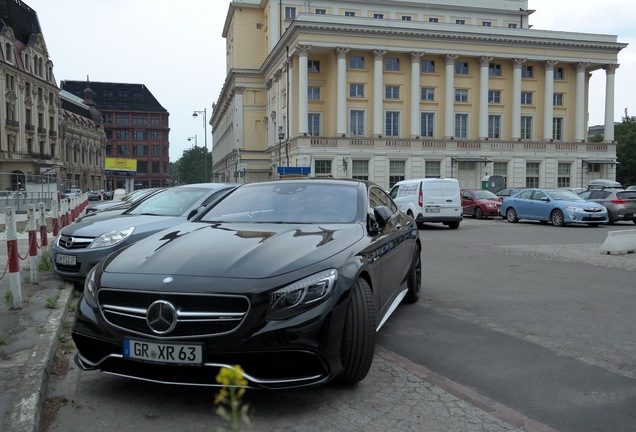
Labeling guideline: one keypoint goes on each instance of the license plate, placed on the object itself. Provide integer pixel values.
(66, 259)
(597, 216)
(185, 354)
(431, 210)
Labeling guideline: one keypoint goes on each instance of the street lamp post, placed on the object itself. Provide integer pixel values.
(205, 129)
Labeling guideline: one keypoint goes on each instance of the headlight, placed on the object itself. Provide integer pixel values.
(302, 295)
(574, 208)
(90, 288)
(112, 238)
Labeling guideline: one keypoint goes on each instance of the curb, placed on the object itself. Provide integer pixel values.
(31, 396)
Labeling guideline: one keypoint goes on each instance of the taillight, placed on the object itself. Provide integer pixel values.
(420, 198)
(618, 201)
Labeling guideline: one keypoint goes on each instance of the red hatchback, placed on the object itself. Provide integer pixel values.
(480, 203)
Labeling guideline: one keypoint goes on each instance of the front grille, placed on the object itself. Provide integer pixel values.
(196, 314)
(70, 242)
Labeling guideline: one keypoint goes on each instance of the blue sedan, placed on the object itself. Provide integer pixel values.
(559, 206)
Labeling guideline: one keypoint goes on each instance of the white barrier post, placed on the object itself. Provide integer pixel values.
(619, 242)
(55, 218)
(44, 235)
(14, 259)
(33, 244)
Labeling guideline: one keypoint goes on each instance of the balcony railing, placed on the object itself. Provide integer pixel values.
(29, 128)
(12, 123)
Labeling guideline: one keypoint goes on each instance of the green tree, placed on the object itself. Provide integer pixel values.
(190, 167)
(625, 135)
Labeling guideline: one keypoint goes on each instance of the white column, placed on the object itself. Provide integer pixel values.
(341, 119)
(269, 121)
(517, 64)
(274, 28)
(378, 67)
(483, 96)
(416, 58)
(449, 96)
(303, 52)
(548, 99)
(610, 72)
(289, 112)
(579, 119)
(238, 117)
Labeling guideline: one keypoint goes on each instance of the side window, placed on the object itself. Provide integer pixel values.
(394, 192)
(377, 197)
(466, 196)
(538, 195)
(525, 194)
(586, 195)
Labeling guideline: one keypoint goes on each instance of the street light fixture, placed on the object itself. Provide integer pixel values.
(205, 129)
(195, 140)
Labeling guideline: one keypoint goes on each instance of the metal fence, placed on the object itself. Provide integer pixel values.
(20, 200)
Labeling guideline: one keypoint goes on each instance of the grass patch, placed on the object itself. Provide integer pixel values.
(51, 302)
(8, 299)
(46, 262)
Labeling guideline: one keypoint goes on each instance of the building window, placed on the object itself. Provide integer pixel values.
(313, 93)
(557, 128)
(526, 98)
(494, 96)
(356, 122)
(155, 135)
(396, 172)
(313, 66)
(527, 72)
(433, 20)
(461, 95)
(428, 66)
(290, 13)
(427, 124)
(322, 168)
(313, 124)
(378, 16)
(122, 150)
(563, 176)
(392, 92)
(428, 94)
(461, 125)
(460, 21)
(494, 126)
(356, 90)
(140, 135)
(350, 14)
(142, 167)
(156, 150)
(360, 169)
(526, 127)
(121, 134)
(392, 64)
(512, 25)
(532, 174)
(321, 11)
(156, 167)
(559, 73)
(486, 23)
(406, 18)
(140, 120)
(356, 62)
(140, 150)
(432, 169)
(494, 69)
(461, 68)
(154, 120)
(392, 126)
(557, 99)
(500, 168)
(122, 119)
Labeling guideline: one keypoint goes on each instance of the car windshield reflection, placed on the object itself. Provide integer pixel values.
(287, 203)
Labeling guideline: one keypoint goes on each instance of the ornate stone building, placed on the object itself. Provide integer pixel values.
(405, 89)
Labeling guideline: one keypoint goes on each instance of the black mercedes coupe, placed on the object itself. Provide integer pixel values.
(290, 279)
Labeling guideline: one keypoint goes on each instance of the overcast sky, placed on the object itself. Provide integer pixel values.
(177, 51)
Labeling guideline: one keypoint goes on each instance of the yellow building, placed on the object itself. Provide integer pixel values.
(393, 90)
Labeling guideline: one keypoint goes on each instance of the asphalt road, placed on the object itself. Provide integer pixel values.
(526, 319)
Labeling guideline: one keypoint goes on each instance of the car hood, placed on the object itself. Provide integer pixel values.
(234, 250)
(93, 226)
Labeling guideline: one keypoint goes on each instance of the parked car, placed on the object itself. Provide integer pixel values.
(69, 193)
(480, 203)
(289, 279)
(126, 202)
(604, 183)
(620, 203)
(81, 245)
(506, 193)
(96, 195)
(430, 200)
(559, 206)
(632, 187)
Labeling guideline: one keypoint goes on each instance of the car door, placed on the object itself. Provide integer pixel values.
(391, 250)
(523, 204)
(540, 206)
(468, 203)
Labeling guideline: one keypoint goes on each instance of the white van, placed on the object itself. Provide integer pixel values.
(430, 200)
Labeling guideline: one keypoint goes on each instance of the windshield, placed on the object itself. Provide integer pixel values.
(485, 194)
(170, 202)
(287, 202)
(564, 195)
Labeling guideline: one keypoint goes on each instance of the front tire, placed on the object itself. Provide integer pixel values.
(511, 215)
(358, 336)
(414, 282)
(453, 225)
(479, 214)
(557, 218)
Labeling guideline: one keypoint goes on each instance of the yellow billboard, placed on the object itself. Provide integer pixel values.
(121, 164)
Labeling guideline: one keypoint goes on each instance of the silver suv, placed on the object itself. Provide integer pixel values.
(620, 203)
